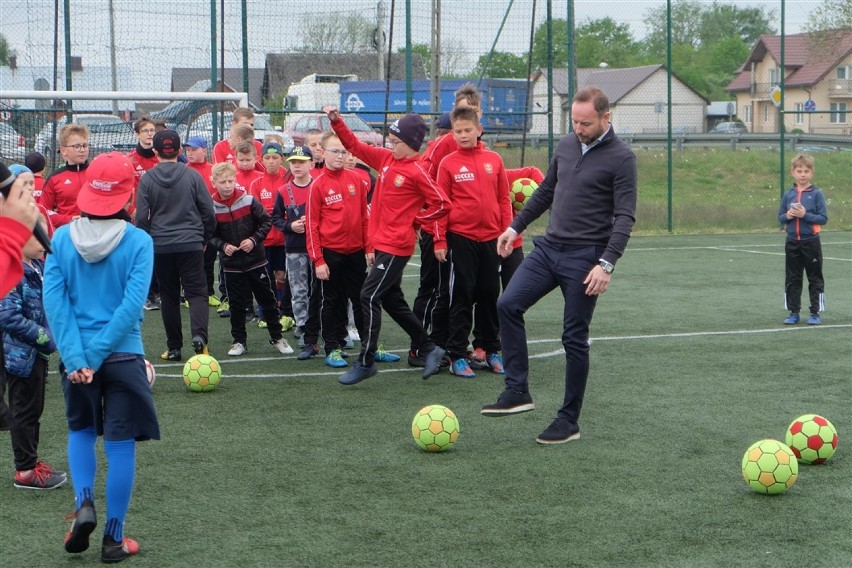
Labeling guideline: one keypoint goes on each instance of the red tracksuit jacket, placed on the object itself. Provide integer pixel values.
(205, 170)
(436, 151)
(59, 195)
(474, 180)
(336, 214)
(222, 152)
(263, 189)
(404, 195)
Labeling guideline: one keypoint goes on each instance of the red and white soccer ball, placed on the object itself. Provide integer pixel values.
(152, 375)
(522, 189)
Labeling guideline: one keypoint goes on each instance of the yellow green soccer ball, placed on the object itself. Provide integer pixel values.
(522, 189)
(770, 467)
(202, 373)
(435, 428)
(812, 438)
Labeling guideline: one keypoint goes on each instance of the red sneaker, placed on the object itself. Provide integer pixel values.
(40, 477)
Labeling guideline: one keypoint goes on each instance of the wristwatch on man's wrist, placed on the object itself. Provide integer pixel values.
(607, 267)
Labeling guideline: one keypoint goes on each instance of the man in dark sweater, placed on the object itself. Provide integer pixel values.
(590, 190)
(175, 208)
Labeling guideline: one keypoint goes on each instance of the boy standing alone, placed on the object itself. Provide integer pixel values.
(803, 211)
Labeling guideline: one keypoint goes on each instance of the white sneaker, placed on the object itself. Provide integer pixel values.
(282, 346)
(237, 349)
(353, 334)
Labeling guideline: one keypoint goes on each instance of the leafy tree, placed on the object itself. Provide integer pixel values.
(604, 40)
(502, 65)
(6, 50)
(453, 58)
(336, 33)
(560, 40)
(831, 15)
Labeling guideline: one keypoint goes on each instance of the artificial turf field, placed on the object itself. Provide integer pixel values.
(283, 466)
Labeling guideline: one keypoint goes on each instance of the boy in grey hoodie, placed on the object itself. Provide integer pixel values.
(175, 208)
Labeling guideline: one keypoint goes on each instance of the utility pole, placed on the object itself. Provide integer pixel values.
(380, 38)
(112, 60)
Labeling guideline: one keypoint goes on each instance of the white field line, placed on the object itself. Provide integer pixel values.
(554, 353)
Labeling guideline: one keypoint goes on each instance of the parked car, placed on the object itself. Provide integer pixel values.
(106, 133)
(356, 124)
(203, 126)
(729, 128)
(13, 146)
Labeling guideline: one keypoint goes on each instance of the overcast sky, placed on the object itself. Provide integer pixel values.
(155, 35)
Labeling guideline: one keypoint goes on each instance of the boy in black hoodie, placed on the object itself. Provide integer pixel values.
(175, 208)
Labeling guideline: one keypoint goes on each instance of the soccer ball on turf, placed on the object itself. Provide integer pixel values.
(769, 467)
(812, 438)
(201, 373)
(152, 375)
(435, 428)
(522, 190)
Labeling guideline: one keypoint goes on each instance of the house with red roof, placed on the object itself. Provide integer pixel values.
(817, 83)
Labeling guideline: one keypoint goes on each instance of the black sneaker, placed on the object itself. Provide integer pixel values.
(509, 402)
(358, 373)
(415, 359)
(559, 432)
(199, 345)
(308, 352)
(432, 362)
(171, 355)
(85, 521)
(112, 551)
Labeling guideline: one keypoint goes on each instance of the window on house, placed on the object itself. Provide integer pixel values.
(747, 114)
(765, 113)
(837, 113)
(843, 72)
(774, 76)
(799, 107)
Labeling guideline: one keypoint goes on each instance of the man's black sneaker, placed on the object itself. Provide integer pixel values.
(170, 355)
(559, 432)
(85, 521)
(432, 362)
(112, 551)
(509, 402)
(358, 373)
(199, 345)
(415, 359)
(308, 352)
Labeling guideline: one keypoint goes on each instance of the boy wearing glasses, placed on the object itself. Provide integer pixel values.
(142, 158)
(59, 196)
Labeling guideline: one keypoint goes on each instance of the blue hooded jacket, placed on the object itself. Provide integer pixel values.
(26, 334)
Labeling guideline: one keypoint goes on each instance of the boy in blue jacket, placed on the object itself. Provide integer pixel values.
(95, 284)
(27, 345)
(803, 210)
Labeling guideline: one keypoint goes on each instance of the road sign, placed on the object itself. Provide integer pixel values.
(810, 105)
(776, 96)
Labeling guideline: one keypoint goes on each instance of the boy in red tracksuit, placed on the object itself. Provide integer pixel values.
(405, 196)
(337, 244)
(474, 179)
(35, 162)
(264, 189)
(142, 157)
(508, 266)
(196, 159)
(59, 195)
(244, 161)
(223, 151)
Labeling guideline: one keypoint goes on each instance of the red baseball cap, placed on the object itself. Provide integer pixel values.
(109, 182)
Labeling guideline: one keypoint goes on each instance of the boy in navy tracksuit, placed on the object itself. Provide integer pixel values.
(803, 210)
(27, 345)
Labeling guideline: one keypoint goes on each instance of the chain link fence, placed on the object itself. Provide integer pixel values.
(293, 59)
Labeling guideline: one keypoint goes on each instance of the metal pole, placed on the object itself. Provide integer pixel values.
(245, 47)
(112, 60)
(484, 69)
(213, 75)
(550, 81)
(435, 63)
(68, 86)
(529, 106)
(669, 180)
(572, 62)
(380, 39)
(408, 87)
(388, 76)
(782, 135)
